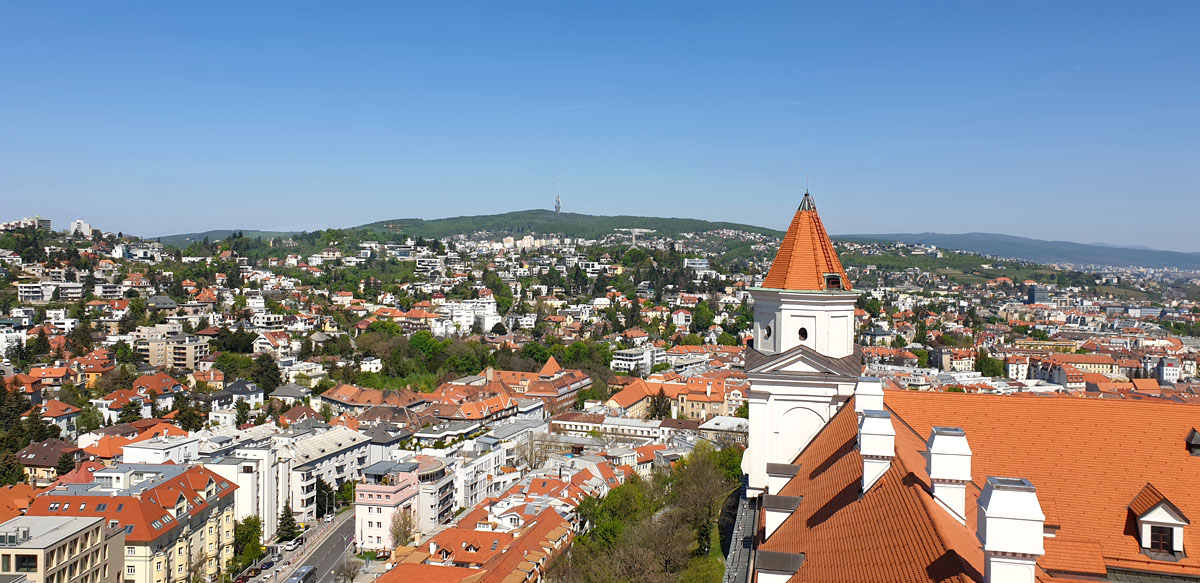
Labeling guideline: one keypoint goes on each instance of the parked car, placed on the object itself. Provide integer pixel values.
(292, 545)
(253, 571)
(266, 564)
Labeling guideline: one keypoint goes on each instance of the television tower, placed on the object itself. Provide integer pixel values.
(557, 197)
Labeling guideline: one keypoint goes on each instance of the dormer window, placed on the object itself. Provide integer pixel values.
(1160, 525)
(833, 281)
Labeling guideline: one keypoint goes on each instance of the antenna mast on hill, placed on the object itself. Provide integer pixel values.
(557, 197)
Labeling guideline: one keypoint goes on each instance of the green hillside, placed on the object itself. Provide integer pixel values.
(546, 222)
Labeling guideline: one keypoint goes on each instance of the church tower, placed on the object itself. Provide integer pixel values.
(804, 365)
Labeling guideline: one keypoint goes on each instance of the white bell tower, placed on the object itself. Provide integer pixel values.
(804, 366)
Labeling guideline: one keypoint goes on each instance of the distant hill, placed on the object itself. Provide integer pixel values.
(1042, 251)
(519, 224)
(182, 241)
(539, 221)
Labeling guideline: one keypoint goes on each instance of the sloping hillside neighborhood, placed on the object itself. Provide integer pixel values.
(468, 408)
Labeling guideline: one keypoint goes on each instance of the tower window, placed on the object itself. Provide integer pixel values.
(766, 333)
(833, 282)
(803, 334)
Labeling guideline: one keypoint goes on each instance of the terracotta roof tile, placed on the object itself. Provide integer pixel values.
(806, 255)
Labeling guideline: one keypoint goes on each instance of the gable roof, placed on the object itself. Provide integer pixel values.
(806, 255)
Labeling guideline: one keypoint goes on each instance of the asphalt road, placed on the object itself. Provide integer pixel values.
(332, 550)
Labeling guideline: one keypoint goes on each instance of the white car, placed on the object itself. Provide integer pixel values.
(328, 518)
(291, 546)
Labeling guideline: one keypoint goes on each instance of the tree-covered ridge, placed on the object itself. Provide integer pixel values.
(518, 223)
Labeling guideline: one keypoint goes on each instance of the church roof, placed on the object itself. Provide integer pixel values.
(806, 257)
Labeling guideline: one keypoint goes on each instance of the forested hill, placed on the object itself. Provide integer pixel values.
(520, 223)
(1042, 251)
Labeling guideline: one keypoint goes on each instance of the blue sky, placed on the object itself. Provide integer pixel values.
(1056, 120)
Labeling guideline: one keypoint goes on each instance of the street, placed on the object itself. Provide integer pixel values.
(331, 548)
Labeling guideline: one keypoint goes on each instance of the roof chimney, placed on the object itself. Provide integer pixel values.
(868, 395)
(1011, 527)
(876, 444)
(948, 462)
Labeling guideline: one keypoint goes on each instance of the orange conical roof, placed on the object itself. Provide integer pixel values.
(806, 260)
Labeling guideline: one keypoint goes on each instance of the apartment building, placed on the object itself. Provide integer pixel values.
(177, 520)
(385, 489)
(61, 549)
(335, 455)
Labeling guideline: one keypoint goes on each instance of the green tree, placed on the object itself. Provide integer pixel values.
(345, 493)
(287, 529)
(90, 419)
(243, 413)
(660, 406)
(325, 498)
(132, 411)
(66, 463)
(988, 366)
(247, 543)
(125, 354)
(11, 470)
(266, 373)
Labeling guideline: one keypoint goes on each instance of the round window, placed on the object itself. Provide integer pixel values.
(767, 333)
(803, 334)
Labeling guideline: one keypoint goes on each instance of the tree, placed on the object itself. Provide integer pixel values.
(345, 493)
(90, 419)
(325, 498)
(11, 470)
(266, 373)
(66, 463)
(347, 570)
(247, 543)
(243, 413)
(287, 529)
(125, 354)
(499, 329)
(132, 411)
(988, 366)
(402, 528)
(660, 406)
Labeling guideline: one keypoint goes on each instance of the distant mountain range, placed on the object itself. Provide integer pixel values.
(521, 223)
(1042, 251)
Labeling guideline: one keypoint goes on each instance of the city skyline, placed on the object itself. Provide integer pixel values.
(1027, 119)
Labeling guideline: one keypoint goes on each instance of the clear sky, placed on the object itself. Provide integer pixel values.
(1056, 120)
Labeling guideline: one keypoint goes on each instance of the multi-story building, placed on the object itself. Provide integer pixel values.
(336, 455)
(177, 520)
(638, 360)
(436, 498)
(166, 346)
(385, 489)
(61, 549)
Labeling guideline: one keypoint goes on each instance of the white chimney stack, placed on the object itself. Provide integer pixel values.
(876, 445)
(868, 395)
(1011, 528)
(949, 467)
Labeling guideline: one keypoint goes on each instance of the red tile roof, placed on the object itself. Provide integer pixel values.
(806, 254)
